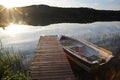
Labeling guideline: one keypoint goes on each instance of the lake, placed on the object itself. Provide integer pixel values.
(97, 21)
(24, 38)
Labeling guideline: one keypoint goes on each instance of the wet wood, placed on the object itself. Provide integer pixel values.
(50, 61)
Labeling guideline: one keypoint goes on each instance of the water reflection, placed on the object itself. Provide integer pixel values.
(26, 40)
(44, 15)
(12, 30)
(25, 37)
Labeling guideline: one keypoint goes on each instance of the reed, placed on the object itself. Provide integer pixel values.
(11, 65)
(107, 41)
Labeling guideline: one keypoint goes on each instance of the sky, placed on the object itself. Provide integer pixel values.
(97, 4)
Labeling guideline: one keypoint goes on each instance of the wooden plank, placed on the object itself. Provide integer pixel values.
(50, 61)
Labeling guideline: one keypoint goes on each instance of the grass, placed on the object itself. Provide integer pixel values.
(11, 66)
(109, 71)
(108, 41)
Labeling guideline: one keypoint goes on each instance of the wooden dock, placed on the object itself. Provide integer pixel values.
(50, 61)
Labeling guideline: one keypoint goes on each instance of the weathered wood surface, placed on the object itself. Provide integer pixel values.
(50, 62)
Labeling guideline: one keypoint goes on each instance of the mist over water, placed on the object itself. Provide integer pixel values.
(97, 21)
(26, 40)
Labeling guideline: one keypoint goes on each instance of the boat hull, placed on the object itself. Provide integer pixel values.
(81, 63)
(89, 67)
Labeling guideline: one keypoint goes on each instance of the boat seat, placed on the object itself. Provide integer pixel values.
(94, 57)
(78, 48)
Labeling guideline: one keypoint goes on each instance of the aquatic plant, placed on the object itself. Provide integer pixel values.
(11, 65)
(108, 41)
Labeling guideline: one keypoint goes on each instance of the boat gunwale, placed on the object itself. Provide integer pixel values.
(78, 56)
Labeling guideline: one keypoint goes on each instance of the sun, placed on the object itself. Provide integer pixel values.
(9, 4)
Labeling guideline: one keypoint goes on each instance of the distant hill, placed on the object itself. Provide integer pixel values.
(3, 16)
(45, 15)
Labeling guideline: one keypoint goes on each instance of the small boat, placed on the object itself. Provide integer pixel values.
(85, 54)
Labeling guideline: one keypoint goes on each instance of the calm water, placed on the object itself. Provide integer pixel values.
(25, 38)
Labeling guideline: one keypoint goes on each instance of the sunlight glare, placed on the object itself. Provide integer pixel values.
(13, 29)
(9, 4)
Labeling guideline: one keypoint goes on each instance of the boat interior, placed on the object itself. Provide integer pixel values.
(82, 49)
